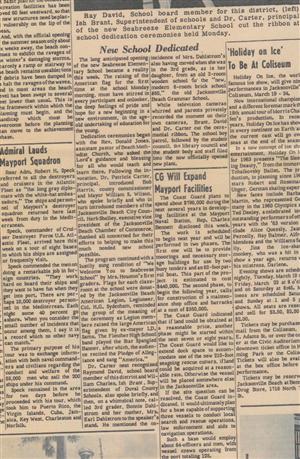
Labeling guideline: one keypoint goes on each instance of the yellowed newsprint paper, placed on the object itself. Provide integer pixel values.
(149, 210)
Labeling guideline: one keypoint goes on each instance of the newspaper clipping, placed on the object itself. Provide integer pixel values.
(149, 177)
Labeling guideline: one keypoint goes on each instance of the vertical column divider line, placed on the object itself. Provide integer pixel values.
(232, 269)
(154, 249)
(77, 232)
